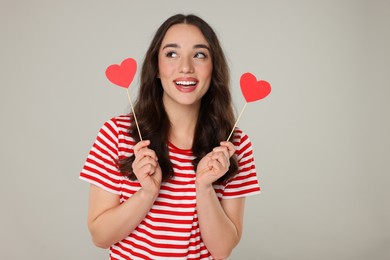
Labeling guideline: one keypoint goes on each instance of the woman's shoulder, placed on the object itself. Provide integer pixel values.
(116, 130)
(121, 120)
(240, 136)
(117, 127)
(119, 123)
(242, 142)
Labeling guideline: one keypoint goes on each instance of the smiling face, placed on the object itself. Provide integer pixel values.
(185, 66)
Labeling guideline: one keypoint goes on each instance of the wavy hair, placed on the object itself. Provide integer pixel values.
(216, 116)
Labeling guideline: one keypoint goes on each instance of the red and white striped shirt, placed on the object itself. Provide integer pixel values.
(171, 228)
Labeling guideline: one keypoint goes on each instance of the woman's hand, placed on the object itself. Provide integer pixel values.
(146, 168)
(215, 164)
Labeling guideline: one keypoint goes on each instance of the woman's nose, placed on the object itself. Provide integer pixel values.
(186, 65)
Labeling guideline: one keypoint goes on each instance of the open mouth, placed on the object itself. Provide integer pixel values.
(186, 84)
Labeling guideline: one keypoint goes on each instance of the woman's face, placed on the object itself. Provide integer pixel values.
(185, 65)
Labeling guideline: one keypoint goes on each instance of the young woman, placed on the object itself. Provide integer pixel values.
(179, 193)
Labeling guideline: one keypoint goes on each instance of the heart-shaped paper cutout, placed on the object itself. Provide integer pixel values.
(252, 89)
(122, 75)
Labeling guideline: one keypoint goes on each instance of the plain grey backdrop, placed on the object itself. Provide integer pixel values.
(321, 139)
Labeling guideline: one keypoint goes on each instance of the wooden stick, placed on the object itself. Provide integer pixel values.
(135, 117)
(235, 124)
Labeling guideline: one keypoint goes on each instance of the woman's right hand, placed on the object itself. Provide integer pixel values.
(146, 168)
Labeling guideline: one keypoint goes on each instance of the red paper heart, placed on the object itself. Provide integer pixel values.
(252, 89)
(122, 75)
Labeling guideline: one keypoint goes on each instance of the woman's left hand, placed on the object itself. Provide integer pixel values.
(215, 164)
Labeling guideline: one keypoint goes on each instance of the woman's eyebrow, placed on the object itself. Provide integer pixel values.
(171, 45)
(201, 46)
(196, 46)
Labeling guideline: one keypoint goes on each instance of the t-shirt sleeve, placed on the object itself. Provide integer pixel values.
(101, 165)
(245, 182)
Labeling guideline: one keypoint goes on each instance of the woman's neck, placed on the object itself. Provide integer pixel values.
(183, 121)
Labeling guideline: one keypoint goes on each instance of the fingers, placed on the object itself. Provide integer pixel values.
(146, 165)
(220, 153)
(141, 150)
(223, 153)
(145, 162)
(220, 158)
(230, 147)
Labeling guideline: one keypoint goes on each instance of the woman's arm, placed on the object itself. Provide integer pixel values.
(220, 222)
(108, 220)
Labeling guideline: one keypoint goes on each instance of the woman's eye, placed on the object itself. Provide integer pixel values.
(171, 54)
(200, 55)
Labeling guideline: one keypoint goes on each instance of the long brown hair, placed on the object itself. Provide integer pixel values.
(216, 116)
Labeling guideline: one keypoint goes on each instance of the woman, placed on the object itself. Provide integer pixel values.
(179, 193)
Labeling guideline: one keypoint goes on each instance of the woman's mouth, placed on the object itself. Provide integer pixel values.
(187, 85)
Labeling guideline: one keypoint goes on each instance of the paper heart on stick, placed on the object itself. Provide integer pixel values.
(252, 89)
(123, 74)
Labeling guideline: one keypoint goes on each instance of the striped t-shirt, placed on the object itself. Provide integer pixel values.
(171, 228)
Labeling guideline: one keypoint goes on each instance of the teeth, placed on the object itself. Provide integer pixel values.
(186, 83)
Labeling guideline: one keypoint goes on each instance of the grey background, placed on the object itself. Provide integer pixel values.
(321, 138)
